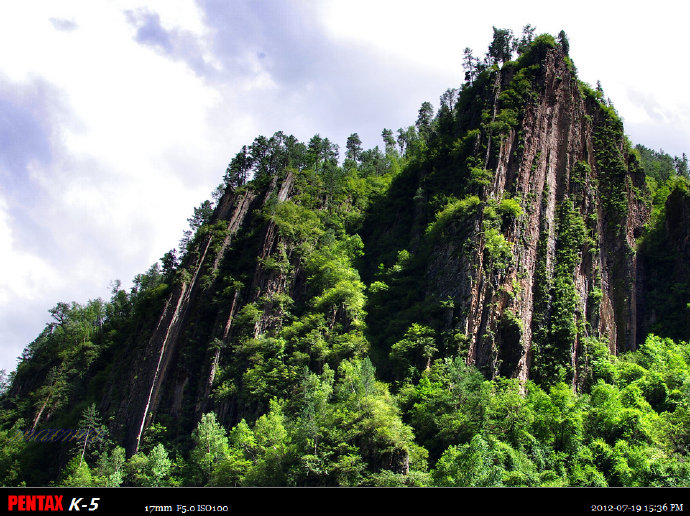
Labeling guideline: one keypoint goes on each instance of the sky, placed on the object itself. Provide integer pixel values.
(118, 117)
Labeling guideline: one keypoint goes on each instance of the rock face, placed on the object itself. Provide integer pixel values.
(162, 373)
(565, 151)
(534, 253)
(541, 253)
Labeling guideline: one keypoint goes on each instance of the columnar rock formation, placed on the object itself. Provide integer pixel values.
(538, 255)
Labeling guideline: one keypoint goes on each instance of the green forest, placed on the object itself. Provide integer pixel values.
(318, 310)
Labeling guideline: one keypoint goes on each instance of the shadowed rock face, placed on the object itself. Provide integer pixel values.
(663, 271)
(161, 374)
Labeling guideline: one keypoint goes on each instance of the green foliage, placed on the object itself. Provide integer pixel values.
(510, 207)
(11, 449)
(553, 351)
(331, 433)
(77, 473)
(415, 350)
(150, 470)
(297, 224)
(558, 418)
(110, 468)
(659, 165)
(454, 210)
(609, 145)
(498, 250)
(271, 449)
(663, 247)
(92, 433)
(304, 308)
(501, 47)
(210, 446)
(446, 406)
(468, 465)
(480, 178)
(613, 436)
(595, 363)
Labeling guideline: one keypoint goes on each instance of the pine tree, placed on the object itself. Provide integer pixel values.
(389, 141)
(563, 40)
(469, 63)
(501, 47)
(354, 147)
(424, 118)
(159, 465)
(91, 430)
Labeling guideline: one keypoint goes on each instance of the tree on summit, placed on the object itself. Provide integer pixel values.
(424, 118)
(525, 40)
(353, 147)
(239, 168)
(563, 40)
(501, 48)
(470, 64)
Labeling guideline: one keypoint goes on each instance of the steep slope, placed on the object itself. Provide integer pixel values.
(535, 249)
(159, 362)
(252, 288)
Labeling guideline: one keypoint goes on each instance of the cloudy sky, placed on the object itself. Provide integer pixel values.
(117, 117)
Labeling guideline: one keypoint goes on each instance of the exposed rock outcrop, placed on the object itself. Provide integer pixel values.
(160, 362)
(538, 255)
(562, 151)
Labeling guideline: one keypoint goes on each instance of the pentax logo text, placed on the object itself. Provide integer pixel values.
(48, 503)
(34, 503)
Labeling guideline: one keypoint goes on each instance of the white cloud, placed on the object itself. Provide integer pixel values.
(25, 282)
(25, 275)
(132, 151)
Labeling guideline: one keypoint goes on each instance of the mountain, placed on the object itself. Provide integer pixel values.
(496, 298)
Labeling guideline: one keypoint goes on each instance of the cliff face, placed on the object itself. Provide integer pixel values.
(515, 244)
(565, 155)
(540, 252)
(163, 374)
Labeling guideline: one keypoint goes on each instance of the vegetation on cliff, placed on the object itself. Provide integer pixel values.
(450, 310)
